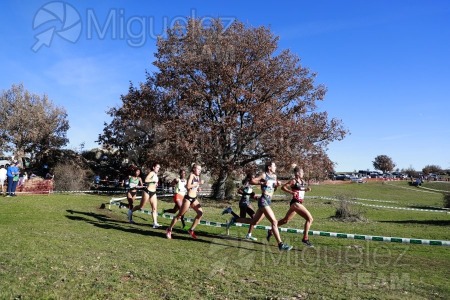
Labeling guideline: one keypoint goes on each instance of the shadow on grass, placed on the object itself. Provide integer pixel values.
(422, 222)
(106, 222)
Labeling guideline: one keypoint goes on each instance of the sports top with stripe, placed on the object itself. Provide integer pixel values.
(133, 182)
(267, 188)
(299, 187)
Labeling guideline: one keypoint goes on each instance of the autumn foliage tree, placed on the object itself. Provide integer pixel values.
(137, 129)
(228, 98)
(383, 163)
(30, 123)
(428, 169)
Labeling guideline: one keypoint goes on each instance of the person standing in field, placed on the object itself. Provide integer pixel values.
(190, 200)
(3, 177)
(180, 192)
(297, 188)
(149, 195)
(268, 182)
(12, 175)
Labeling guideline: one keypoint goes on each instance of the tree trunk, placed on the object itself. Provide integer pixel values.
(220, 186)
(20, 153)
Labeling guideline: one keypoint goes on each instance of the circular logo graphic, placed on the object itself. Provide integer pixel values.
(240, 249)
(58, 18)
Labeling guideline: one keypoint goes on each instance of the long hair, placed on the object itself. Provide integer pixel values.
(267, 165)
(247, 178)
(194, 165)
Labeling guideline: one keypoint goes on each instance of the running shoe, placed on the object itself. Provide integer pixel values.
(307, 243)
(269, 234)
(251, 238)
(169, 234)
(227, 210)
(192, 233)
(132, 222)
(232, 221)
(156, 225)
(284, 247)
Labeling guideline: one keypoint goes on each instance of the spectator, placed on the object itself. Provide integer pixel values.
(12, 174)
(3, 176)
(49, 175)
(23, 177)
(117, 182)
(97, 179)
(105, 181)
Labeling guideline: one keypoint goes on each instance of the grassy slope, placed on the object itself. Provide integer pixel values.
(65, 247)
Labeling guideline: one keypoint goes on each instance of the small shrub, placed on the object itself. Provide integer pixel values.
(447, 200)
(70, 177)
(347, 212)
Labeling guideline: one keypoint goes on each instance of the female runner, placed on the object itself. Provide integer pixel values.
(269, 182)
(297, 188)
(149, 195)
(180, 192)
(190, 200)
(134, 182)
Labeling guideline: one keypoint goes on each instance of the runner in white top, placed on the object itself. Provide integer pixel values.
(190, 200)
(180, 191)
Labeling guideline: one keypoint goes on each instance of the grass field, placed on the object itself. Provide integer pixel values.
(66, 247)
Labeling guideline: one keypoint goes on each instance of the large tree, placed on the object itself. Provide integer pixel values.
(30, 123)
(383, 163)
(229, 98)
(428, 169)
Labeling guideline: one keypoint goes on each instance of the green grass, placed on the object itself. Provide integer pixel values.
(438, 185)
(66, 247)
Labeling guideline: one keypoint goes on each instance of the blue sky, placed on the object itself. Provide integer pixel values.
(386, 64)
